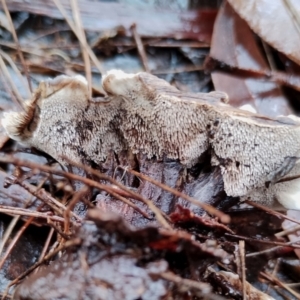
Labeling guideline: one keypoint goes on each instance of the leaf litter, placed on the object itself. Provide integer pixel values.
(184, 255)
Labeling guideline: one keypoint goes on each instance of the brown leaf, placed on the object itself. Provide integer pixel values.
(233, 43)
(276, 22)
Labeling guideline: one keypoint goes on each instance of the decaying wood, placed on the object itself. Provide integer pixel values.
(147, 115)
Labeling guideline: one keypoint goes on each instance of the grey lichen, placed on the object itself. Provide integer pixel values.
(147, 115)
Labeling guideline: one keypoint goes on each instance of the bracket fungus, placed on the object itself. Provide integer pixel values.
(251, 150)
(62, 121)
(147, 115)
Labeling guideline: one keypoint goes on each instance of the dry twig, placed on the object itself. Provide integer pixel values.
(16, 95)
(271, 211)
(44, 196)
(14, 34)
(243, 268)
(140, 48)
(73, 27)
(83, 44)
(272, 249)
(279, 283)
(296, 246)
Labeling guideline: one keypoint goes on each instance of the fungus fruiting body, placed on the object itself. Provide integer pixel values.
(147, 115)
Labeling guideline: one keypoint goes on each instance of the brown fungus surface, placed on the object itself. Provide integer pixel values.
(62, 121)
(251, 150)
(147, 115)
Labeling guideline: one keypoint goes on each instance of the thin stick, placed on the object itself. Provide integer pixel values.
(270, 211)
(46, 245)
(293, 285)
(161, 217)
(279, 283)
(210, 209)
(67, 213)
(73, 27)
(202, 287)
(288, 178)
(274, 271)
(117, 193)
(65, 237)
(262, 241)
(29, 213)
(272, 249)
(14, 34)
(15, 68)
(14, 241)
(115, 184)
(67, 244)
(16, 218)
(83, 45)
(45, 197)
(140, 48)
(243, 269)
(114, 193)
(92, 183)
(290, 230)
(8, 89)
(7, 76)
(178, 70)
(5, 296)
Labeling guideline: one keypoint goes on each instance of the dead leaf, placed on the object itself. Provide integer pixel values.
(276, 22)
(233, 43)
